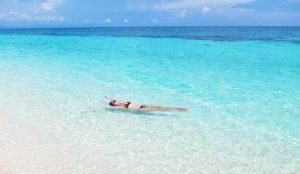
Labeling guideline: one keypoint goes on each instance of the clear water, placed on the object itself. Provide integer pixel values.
(241, 86)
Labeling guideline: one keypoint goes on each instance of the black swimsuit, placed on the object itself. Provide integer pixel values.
(142, 106)
(127, 104)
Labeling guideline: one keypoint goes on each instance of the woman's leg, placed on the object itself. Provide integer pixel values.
(153, 109)
(160, 108)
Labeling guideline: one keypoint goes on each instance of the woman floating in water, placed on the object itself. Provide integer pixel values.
(129, 105)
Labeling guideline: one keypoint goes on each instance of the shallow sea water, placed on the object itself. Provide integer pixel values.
(241, 86)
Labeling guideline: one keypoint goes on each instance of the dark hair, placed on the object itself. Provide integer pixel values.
(112, 103)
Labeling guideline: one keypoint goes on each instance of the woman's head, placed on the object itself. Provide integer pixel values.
(113, 103)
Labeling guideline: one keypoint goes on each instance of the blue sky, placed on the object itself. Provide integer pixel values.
(98, 13)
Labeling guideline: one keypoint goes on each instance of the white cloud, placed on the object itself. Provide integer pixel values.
(125, 21)
(108, 20)
(185, 4)
(50, 4)
(15, 16)
(99, 21)
(29, 11)
(154, 20)
(205, 9)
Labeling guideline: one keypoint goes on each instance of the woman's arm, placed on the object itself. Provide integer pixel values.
(109, 98)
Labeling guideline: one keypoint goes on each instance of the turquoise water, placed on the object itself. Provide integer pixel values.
(241, 86)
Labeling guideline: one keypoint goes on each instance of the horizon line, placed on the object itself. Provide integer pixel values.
(163, 26)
